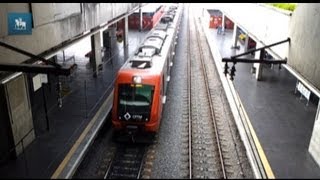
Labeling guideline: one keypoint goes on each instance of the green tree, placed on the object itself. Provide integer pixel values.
(285, 6)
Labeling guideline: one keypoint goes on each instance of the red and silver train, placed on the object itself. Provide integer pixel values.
(141, 83)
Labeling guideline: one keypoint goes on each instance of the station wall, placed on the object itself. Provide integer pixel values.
(54, 23)
(304, 52)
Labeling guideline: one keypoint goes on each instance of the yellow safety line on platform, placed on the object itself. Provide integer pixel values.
(262, 155)
(76, 144)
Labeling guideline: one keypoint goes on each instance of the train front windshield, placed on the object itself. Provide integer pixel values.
(135, 102)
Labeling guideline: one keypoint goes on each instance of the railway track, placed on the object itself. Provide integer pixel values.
(189, 103)
(209, 144)
(211, 105)
(231, 154)
(212, 151)
(127, 162)
(205, 142)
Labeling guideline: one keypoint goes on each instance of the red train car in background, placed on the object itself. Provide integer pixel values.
(216, 19)
(151, 14)
(228, 23)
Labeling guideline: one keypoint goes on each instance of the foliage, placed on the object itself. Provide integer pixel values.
(286, 6)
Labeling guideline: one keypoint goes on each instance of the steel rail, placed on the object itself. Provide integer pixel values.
(210, 99)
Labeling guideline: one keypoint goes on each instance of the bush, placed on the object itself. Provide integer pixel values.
(285, 6)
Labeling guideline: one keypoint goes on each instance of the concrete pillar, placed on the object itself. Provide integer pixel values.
(223, 23)
(113, 42)
(106, 38)
(314, 149)
(246, 43)
(95, 58)
(235, 37)
(140, 17)
(258, 66)
(125, 39)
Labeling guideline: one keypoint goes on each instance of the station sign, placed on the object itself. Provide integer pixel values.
(19, 23)
(303, 90)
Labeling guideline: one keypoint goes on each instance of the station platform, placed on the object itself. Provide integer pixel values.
(281, 120)
(56, 153)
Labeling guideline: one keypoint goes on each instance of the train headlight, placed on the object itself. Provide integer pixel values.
(137, 80)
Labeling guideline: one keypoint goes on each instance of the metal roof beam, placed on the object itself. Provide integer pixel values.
(29, 54)
(33, 68)
(264, 47)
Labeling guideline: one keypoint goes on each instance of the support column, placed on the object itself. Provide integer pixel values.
(113, 40)
(140, 19)
(235, 37)
(106, 38)
(125, 39)
(258, 66)
(95, 58)
(246, 43)
(113, 37)
(314, 149)
(223, 23)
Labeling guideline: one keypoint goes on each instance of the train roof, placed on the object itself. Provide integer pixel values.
(148, 59)
(149, 66)
(150, 56)
(157, 33)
